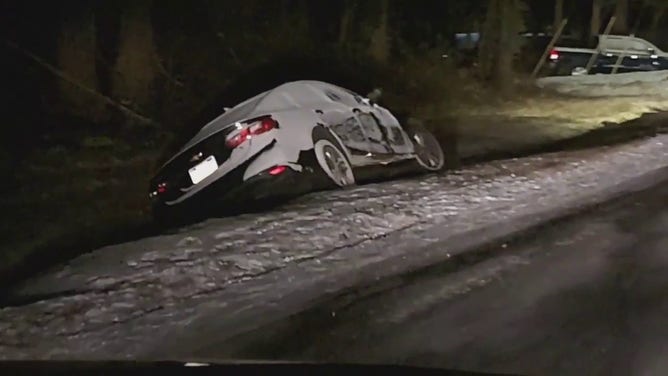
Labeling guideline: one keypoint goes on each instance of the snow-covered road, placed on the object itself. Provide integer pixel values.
(649, 85)
(226, 275)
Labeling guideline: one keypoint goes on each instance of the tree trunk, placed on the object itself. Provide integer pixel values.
(504, 66)
(284, 11)
(656, 20)
(380, 39)
(76, 58)
(489, 45)
(346, 21)
(500, 42)
(558, 14)
(621, 25)
(595, 26)
(136, 62)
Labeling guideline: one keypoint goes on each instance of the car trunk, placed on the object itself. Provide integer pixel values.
(175, 173)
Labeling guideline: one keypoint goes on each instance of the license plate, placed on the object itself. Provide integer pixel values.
(203, 169)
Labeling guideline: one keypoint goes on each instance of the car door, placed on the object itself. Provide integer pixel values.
(660, 62)
(355, 123)
(352, 135)
(638, 56)
(375, 134)
(633, 54)
(370, 132)
(395, 136)
(385, 134)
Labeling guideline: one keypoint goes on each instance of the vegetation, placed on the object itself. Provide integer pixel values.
(166, 60)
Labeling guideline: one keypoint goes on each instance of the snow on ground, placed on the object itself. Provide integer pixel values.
(605, 79)
(540, 118)
(125, 300)
(635, 84)
(574, 114)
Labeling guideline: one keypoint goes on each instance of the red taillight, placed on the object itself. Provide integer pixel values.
(160, 189)
(238, 138)
(554, 55)
(264, 125)
(252, 128)
(277, 170)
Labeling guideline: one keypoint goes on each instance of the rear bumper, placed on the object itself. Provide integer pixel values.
(231, 194)
(266, 186)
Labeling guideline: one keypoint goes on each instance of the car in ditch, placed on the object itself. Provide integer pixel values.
(298, 137)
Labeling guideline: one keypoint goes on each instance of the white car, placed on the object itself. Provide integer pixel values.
(296, 137)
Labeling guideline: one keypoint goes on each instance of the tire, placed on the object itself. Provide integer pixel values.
(331, 159)
(428, 152)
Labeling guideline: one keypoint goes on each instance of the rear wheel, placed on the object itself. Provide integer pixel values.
(332, 160)
(428, 152)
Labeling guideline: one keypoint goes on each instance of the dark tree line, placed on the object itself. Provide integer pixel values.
(162, 59)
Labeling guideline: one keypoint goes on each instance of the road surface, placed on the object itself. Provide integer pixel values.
(171, 295)
(587, 295)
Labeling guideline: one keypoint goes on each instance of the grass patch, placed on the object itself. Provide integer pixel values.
(69, 201)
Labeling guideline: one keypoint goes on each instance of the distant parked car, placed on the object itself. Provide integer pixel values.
(299, 135)
(638, 55)
(533, 45)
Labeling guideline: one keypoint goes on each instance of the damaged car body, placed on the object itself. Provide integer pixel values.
(298, 137)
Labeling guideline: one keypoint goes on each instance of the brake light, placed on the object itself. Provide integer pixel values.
(252, 128)
(264, 125)
(277, 170)
(160, 189)
(554, 55)
(238, 138)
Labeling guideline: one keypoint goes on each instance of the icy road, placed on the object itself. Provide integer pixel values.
(585, 296)
(171, 295)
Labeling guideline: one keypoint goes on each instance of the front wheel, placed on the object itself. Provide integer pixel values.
(428, 152)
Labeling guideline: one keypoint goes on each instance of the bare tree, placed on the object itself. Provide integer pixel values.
(137, 59)
(622, 15)
(558, 14)
(380, 39)
(490, 39)
(659, 10)
(346, 21)
(504, 20)
(595, 25)
(76, 58)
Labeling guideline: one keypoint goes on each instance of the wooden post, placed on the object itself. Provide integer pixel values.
(594, 56)
(549, 48)
(620, 58)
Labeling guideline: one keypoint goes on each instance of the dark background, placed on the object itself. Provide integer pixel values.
(166, 60)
